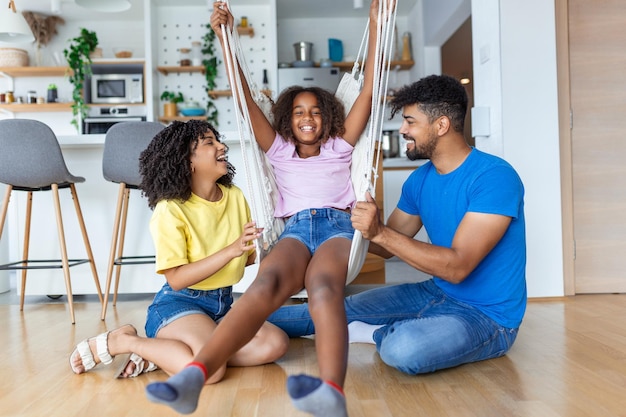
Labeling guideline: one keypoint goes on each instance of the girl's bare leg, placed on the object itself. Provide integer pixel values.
(325, 283)
(280, 275)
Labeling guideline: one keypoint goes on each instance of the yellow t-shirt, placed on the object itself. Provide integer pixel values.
(191, 231)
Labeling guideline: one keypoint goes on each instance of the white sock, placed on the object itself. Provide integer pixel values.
(359, 332)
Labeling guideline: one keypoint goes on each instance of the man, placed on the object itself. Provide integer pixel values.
(471, 204)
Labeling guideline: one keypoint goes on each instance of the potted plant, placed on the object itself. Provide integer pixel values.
(52, 93)
(79, 61)
(170, 108)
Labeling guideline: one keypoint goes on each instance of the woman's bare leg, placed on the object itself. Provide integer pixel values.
(280, 275)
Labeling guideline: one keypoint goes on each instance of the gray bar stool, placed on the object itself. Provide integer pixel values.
(31, 161)
(123, 144)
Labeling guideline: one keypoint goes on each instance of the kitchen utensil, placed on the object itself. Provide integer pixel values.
(303, 50)
(335, 50)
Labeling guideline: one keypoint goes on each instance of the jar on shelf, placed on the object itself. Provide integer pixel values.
(185, 57)
(244, 22)
(196, 53)
(10, 98)
(31, 97)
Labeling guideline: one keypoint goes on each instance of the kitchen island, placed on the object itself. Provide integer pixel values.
(83, 156)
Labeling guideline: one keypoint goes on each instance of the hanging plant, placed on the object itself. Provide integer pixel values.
(210, 63)
(79, 60)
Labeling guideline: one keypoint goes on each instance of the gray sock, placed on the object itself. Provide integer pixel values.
(180, 391)
(314, 396)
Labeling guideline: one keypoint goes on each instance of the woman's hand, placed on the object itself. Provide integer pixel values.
(221, 16)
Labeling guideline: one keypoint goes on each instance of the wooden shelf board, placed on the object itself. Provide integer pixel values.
(165, 70)
(245, 31)
(169, 119)
(219, 93)
(347, 66)
(35, 71)
(36, 108)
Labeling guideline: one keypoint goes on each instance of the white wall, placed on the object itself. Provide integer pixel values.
(515, 76)
(110, 34)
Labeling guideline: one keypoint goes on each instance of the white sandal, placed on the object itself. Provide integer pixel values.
(139, 366)
(83, 349)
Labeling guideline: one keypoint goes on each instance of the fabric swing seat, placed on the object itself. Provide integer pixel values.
(366, 155)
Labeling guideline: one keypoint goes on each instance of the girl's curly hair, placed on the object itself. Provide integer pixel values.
(333, 113)
(165, 166)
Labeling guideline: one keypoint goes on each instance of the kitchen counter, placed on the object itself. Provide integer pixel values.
(83, 156)
(402, 163)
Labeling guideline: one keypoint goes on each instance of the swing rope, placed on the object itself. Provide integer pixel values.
(366, 155)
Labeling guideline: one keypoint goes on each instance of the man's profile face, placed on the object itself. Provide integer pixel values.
(420, 134)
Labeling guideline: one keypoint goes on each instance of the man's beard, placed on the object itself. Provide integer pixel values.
(424, 151)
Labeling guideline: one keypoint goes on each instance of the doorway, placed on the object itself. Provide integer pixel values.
(456, 61)
(597, 209)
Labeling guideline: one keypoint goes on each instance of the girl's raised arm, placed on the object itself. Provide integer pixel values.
(262, 128)
(359, 114)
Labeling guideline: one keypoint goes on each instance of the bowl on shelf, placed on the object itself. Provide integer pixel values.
(192, 111)
(123, 52)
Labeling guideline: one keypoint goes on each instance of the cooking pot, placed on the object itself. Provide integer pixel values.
(391, 144)
(303, 50)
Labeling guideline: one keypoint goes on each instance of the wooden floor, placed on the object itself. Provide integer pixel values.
(569, 360)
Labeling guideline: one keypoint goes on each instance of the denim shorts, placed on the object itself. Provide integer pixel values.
(313, 227)
(169, 305)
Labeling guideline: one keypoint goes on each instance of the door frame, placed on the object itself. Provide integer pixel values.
(565, 145)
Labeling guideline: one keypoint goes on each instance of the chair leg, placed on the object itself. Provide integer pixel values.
(29, 209)
(116, 232)
(5, 207)
(63, 247)
(120, 246)
(83, 229)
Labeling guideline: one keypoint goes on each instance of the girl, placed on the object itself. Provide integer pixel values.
(204, 238)
(310, 148)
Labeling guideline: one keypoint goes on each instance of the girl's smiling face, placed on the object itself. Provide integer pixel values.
(306, 118)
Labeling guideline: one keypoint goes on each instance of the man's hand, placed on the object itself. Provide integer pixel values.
(366, 218)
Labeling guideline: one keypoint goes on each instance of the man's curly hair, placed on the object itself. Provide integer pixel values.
(165, 166)
(333, 113)
(436, 96)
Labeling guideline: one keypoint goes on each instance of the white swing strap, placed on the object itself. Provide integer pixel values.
(261, 187)
(366, 175)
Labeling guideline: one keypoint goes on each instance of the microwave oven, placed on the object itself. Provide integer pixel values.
(116, 88)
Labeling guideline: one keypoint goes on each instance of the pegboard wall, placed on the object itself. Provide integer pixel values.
(178, 26)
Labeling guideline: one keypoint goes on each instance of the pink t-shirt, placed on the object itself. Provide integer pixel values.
(316, 182)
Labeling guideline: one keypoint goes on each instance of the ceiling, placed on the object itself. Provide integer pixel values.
(286, 9)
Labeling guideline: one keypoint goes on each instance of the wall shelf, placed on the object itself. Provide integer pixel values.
(35, 108)
(249, 31)
(219, 93)
(35, 71)
(401, 65)
(170, 119)
(165, 70)
(227, 93)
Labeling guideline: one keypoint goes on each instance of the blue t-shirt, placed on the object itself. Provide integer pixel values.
(482, 184)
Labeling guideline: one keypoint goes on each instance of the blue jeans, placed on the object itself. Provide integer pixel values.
(313, 227)
(170, 305)
(424, 329)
